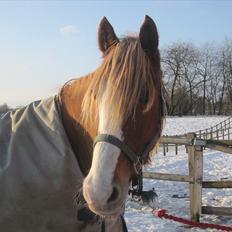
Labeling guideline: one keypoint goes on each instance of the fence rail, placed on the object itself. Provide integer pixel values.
(222, 130)
(195, 148)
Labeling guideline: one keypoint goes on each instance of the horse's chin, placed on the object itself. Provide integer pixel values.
(109, 211)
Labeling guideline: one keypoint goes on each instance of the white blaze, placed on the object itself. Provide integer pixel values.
(105, 157)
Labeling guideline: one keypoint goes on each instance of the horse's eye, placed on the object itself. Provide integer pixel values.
(144, 97)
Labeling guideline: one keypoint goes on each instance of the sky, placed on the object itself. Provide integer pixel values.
(43, 44)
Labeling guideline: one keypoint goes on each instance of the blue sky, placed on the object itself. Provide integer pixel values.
(45, 43)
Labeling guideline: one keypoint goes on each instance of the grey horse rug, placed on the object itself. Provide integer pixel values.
(39, 174)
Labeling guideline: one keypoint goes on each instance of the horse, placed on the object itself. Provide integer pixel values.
(105, 126)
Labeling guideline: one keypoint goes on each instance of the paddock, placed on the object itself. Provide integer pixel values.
(195, 149)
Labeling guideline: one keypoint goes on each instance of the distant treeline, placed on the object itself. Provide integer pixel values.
(198, 79)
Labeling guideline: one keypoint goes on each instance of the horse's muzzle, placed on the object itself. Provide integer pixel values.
(108, 203)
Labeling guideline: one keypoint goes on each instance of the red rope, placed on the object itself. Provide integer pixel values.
(162, 213)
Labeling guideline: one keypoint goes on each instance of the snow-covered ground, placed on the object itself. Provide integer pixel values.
(217, 165)
(181, 125)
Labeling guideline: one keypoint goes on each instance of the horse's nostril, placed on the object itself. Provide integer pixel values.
(114, 195)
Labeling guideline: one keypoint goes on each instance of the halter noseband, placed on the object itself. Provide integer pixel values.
(131, 156)
(136, 160)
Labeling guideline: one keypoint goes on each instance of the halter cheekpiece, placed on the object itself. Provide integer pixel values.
(136, 159)
(129, 153)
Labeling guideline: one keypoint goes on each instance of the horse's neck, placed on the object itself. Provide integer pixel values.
(81, 138)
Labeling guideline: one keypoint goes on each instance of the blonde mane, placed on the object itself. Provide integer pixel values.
(127, 73)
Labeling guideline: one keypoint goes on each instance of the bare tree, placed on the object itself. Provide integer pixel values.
(206, 70)
(227, 72)
(180, 62)
(171, 60)
(199, 79)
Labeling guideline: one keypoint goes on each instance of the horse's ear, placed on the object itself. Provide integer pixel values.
(106, 35)
(148, 37)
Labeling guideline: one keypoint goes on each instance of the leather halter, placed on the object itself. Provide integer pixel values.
(136, 159)
(129, 153)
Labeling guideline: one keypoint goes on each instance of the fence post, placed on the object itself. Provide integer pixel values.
(195, 157)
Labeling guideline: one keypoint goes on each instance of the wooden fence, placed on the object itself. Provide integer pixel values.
(194, 147)
(221, 132)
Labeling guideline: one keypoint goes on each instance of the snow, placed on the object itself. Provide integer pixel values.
(181, 125)
(217, 166)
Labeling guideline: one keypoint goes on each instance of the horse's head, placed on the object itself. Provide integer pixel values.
(125, 98)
